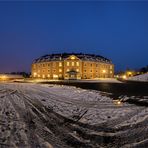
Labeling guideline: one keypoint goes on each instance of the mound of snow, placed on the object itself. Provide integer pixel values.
(143, 77)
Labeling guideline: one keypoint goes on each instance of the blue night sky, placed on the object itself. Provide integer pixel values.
(116, 30)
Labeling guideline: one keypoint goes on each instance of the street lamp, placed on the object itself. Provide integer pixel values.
(124, 77)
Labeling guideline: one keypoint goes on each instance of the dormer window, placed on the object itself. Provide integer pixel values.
(72, 58)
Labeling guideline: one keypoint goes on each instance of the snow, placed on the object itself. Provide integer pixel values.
(143, 77)
(25, 121)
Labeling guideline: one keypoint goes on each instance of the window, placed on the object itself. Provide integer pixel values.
(34, 74)
(67, 63)
(90, 70)
(111, 67)
(43, 76)
(60, 64)
(96, 65)
(48, 64)
(84, 70)
(85, 64)
(73, 63)
(67, 70)
(55, 76)
(77, 63)
(91, 65)
(77, 70)
(60, 70)
(111, 72)
(72, 58)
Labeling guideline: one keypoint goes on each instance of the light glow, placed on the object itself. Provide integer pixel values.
(34, 74)
(60, 64)
(55, 76)
(3, 77)
(104, 71)
(72, 58)
(124, 77)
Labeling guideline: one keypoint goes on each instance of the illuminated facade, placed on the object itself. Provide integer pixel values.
(72, 66)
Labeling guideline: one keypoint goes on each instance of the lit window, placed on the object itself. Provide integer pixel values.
(67, 70)
(77, 70)
(43, 76)
(111, 72)
(67, 63)
(35, 74)
(73, 63)
(48, 75)
(60, 64)
(38, 75)
(77, 63)
(55, 76)
(60, 70)
(104, 71)
(111, 67)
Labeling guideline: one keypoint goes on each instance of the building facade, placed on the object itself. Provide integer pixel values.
(72, 66)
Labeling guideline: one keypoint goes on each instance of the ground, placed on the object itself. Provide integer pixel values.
(43, 115)
(143, 77)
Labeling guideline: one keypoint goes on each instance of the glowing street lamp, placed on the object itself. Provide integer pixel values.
(119, 102)
(124, 77)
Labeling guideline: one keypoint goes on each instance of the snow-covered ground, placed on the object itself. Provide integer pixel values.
(143, 77)
(41, 115)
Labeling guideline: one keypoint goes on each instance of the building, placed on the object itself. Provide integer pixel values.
(72, 66)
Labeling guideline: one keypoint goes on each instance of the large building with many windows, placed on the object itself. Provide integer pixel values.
(72, 66)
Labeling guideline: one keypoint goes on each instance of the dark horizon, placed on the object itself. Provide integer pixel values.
(115, 30)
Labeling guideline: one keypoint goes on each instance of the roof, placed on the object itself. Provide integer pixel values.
(63, 56)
